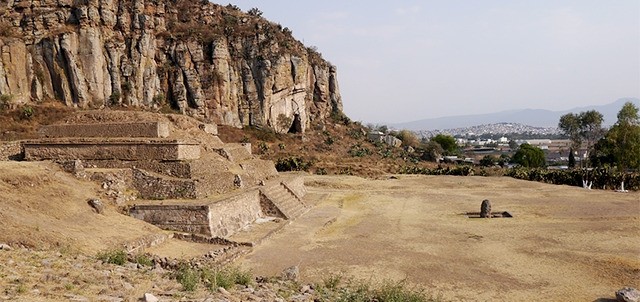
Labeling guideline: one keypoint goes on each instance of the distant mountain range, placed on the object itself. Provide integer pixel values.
(531, 117)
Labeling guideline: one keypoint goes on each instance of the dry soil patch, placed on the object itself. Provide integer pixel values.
(564, 243)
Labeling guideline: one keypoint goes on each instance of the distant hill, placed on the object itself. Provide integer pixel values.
(531, 117)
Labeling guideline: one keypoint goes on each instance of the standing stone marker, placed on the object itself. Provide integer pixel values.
(485, 209)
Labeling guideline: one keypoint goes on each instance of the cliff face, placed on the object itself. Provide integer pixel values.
(202, 59)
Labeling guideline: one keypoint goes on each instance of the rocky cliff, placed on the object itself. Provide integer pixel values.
(209, 61)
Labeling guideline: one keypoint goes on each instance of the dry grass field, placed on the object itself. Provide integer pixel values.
(563, 243)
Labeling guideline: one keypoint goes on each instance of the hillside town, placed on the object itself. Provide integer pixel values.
(493, 130)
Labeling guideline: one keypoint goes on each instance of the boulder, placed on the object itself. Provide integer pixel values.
(291, 273)
(628, 294)
(97, 205)
(149, 298)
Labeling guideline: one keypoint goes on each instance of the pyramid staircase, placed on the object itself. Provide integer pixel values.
(186, 179)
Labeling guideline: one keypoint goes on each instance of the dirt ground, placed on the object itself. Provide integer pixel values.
(563, 243)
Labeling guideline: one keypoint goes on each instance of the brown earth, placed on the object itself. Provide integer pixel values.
(563, 244)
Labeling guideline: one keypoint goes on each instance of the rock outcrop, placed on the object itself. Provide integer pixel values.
(208, 61)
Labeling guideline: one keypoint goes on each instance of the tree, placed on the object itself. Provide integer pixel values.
(447, 142)
(529, 156)
(503, 160)
(513, 145)
(255, 12)
(585, 127)
(432, 151)
(488, 161)
(572, 159)
(408, 138)
(621, 144)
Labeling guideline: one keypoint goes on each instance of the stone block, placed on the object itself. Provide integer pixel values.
(146, 129)
(221, 218)
(101, 149)
(209, 128)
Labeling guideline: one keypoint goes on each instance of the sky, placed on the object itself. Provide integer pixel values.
(406, 60)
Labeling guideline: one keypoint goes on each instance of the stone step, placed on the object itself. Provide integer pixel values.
(284, 200)
(142, 129)
(236, 152)
(110, 149)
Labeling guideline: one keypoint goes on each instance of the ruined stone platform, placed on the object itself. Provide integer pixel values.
(111, 148)
(142, 129)
(176, 173)
(227, 214)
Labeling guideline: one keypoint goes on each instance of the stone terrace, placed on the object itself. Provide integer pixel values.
(173, 172)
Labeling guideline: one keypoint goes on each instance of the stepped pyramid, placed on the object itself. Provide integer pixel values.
(183, 176)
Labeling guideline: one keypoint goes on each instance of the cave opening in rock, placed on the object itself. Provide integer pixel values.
(296, 126)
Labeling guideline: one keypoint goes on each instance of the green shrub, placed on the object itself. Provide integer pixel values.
(118, 257)
(293, 163)
(359, 151)
(143, 260)
(27, 112)
(188, 278)
(263, 147)
(225, 278)
(457, 171)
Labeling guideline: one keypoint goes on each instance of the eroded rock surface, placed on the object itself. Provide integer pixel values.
(201, 59)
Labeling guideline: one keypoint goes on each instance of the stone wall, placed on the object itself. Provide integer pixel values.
(231, 215)
(104, 149)
(11, 151)
(182, 218)
(154, 130)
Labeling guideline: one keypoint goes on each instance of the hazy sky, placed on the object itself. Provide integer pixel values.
(406, 60)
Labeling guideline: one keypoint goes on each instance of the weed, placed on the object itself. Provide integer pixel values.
(118, 257)
(263, 147)
(27, 112)
(332, 281)
(359, 151)
(282, 146)
(213, 279)
(188, 278)
(329, 140)
(321, 171)
(143, 260)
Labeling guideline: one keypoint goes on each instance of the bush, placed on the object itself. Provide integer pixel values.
(263, 147)
(456, 171)
(293, 163)
(143, 260)
(359, 151)
(118, 257)
(387, 291)
(226, 278)
(601, 178)
(188, 278)
(27, 112)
